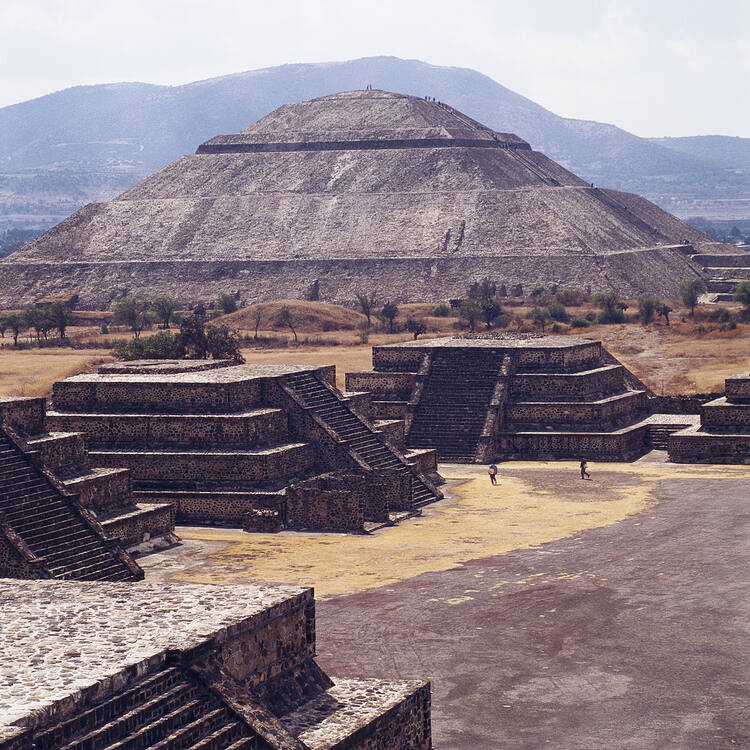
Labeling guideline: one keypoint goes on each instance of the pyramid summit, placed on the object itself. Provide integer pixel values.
(351, 193)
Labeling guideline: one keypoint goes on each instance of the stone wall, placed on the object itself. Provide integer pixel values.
(696, 447)
(102, 491)
(595, 415)
(396, 359)
(737, 388)
(624, 445)
(566, 386)
(146, 523)
(12, 563)
(309, 507)
(682, 404)
(160, 397)
(395, 384)
(64, 455)
(722, 415)
(24, 414)
(242, 430)
(238, 467)
(560, 359)
(216, 508)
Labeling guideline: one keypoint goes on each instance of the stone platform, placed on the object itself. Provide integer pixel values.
(480, 398)
(154, 665)
(723, 435)
(240, 445)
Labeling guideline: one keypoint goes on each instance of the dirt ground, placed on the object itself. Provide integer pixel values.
(547, 612)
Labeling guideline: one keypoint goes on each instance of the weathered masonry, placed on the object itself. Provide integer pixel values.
(258, 446)
(60, 517)
(184, 667)
(476, 399)
(333, 193)
(723, 436)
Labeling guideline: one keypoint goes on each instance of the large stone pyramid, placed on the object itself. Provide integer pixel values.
(361, 191)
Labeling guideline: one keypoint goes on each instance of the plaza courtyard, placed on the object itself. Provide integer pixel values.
(547, 611)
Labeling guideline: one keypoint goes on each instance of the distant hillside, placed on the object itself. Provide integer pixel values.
(90, 143)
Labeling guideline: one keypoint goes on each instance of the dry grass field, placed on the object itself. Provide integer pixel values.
(671, 359)
(31, 372)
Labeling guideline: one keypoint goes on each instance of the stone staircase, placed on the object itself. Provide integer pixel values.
(454, 403)
(724, 272)
(167, 710)
(658, 434)
(357, 435)
(50, 525)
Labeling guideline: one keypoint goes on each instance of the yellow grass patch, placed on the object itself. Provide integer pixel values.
(31, 372)
(309, 317)
(535, 502)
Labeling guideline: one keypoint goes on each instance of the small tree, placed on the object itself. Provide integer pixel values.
(3, 325)
(742, 295)
(415, 327)
(59, 316)
(366, 305)
(690, 290)
(227, 303)
(484, 289)
(648, 307)
(470, 312)
(490, 308)
(257, 318)
(612, 309)
(160, 345)
(538, 293)
(223, 343)
(16, 323)
(664, 311)
(193, 336)
(558, 312)
(164, 307)
(540, 317)
(133, 312)
(36, 318)
(389, 312)
(287, 319)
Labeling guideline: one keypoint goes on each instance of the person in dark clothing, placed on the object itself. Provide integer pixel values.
(492, 471)
(584, 473)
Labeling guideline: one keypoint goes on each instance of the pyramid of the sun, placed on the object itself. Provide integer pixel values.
(361, 191)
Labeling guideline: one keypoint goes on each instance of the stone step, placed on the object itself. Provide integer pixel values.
(358, 436)
(243, 429)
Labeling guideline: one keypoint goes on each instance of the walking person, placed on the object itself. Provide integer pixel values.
(492, 471)
(584, 473)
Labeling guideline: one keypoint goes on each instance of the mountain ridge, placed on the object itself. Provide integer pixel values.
(89, 143)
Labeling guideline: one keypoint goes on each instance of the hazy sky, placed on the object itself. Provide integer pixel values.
(654, 67)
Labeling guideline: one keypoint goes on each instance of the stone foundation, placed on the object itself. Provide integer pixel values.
(228, 440)
(478, 399)
(723, 436)
(242, 668)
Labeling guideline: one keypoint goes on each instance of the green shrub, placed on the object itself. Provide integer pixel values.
(161, 345)
(648, 306)
(558, 312)
(555, 328)
(441, 311)
(579, 322)
(227, 303)
(721, 314)
(569, 297)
